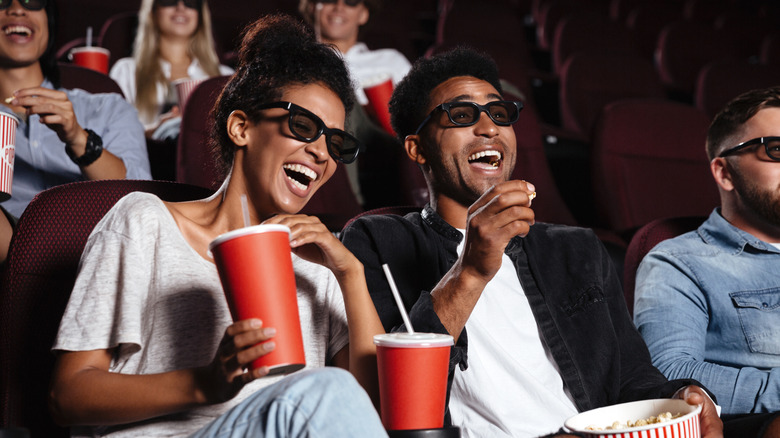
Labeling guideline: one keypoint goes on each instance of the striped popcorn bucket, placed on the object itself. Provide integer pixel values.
(183, 89)
(8, 123)
(594, 423)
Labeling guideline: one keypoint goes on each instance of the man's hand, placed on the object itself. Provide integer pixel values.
(710, 422)
(56, 112)
(499, 215)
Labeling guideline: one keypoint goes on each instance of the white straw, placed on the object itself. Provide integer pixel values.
(89, 36)
(245, 209)
(397, 296)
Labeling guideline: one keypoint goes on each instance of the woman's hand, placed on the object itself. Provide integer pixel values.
(311, 240)
(244, 341)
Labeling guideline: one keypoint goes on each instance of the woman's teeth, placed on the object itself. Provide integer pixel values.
(300, 175)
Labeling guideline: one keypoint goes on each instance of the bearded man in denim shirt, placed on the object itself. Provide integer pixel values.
(708, 301)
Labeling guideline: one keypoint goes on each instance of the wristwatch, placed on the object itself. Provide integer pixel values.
(92, 151)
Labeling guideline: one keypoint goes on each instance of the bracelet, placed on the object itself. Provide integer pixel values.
(92, 151)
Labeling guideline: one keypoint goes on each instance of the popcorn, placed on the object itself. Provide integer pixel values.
(617, 425)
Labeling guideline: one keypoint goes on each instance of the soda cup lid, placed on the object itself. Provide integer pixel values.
(413, 340)
(254, 229)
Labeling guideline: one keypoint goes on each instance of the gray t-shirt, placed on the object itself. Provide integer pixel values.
(143, 291)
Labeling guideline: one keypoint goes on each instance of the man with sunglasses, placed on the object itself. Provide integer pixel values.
(536, 310)
(339, 23)
(708, 301)
(63, 135)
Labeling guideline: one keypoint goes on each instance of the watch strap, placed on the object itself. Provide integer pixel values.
(92, 151)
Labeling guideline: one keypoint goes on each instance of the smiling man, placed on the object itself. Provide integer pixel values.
(338, 22)
(63, 135)
(537, 312)
(708, 301)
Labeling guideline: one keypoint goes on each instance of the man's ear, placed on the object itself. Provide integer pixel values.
(413, 149)
(237, 126)
(364, 15)
(721, 171)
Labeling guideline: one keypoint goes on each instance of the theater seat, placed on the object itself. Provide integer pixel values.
(645, 239)
(721, 81)
(649, 163)
(39, 275)
(74, 76)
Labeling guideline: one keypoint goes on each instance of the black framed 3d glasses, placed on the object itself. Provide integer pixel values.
(192, 4)
(501, 112)
(30, 5)
(307, 127)
(771, 147)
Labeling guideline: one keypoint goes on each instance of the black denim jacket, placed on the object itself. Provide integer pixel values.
(570, 283)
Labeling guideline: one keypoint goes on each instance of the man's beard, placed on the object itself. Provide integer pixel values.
(765, 203)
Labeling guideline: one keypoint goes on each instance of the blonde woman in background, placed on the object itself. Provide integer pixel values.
(174, 41)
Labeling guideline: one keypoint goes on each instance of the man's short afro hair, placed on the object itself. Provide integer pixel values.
(411, 98)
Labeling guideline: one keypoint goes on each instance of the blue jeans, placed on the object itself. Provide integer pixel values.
(323, 402)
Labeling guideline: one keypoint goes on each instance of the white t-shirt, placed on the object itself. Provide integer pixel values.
(123, 72)
(143, 290)
(512, 387)
(366, 65)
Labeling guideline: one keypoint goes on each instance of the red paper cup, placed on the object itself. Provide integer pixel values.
(183, 89)
(95, 58)
(413, 371)
(255, 267)
(8, 123)
(378, 92)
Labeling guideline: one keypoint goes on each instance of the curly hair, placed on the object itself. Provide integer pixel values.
(276, 52)
(412, 95)
(731, 119)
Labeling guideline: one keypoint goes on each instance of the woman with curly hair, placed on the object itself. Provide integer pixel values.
(147, 347)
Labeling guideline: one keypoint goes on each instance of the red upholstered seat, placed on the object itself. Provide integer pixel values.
(193, 156)
(532, 166)
(721, 81)
(647, 20)
(552, 12)
(649, 163)
(118, 34)
(645, 239)
(38, 278)
(683, 48)
(74, 76)
(588, 81)
(770, 49)
(591, 33)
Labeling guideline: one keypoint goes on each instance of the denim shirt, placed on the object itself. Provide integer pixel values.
(41, 162)
(708, 305)
(571, 285)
